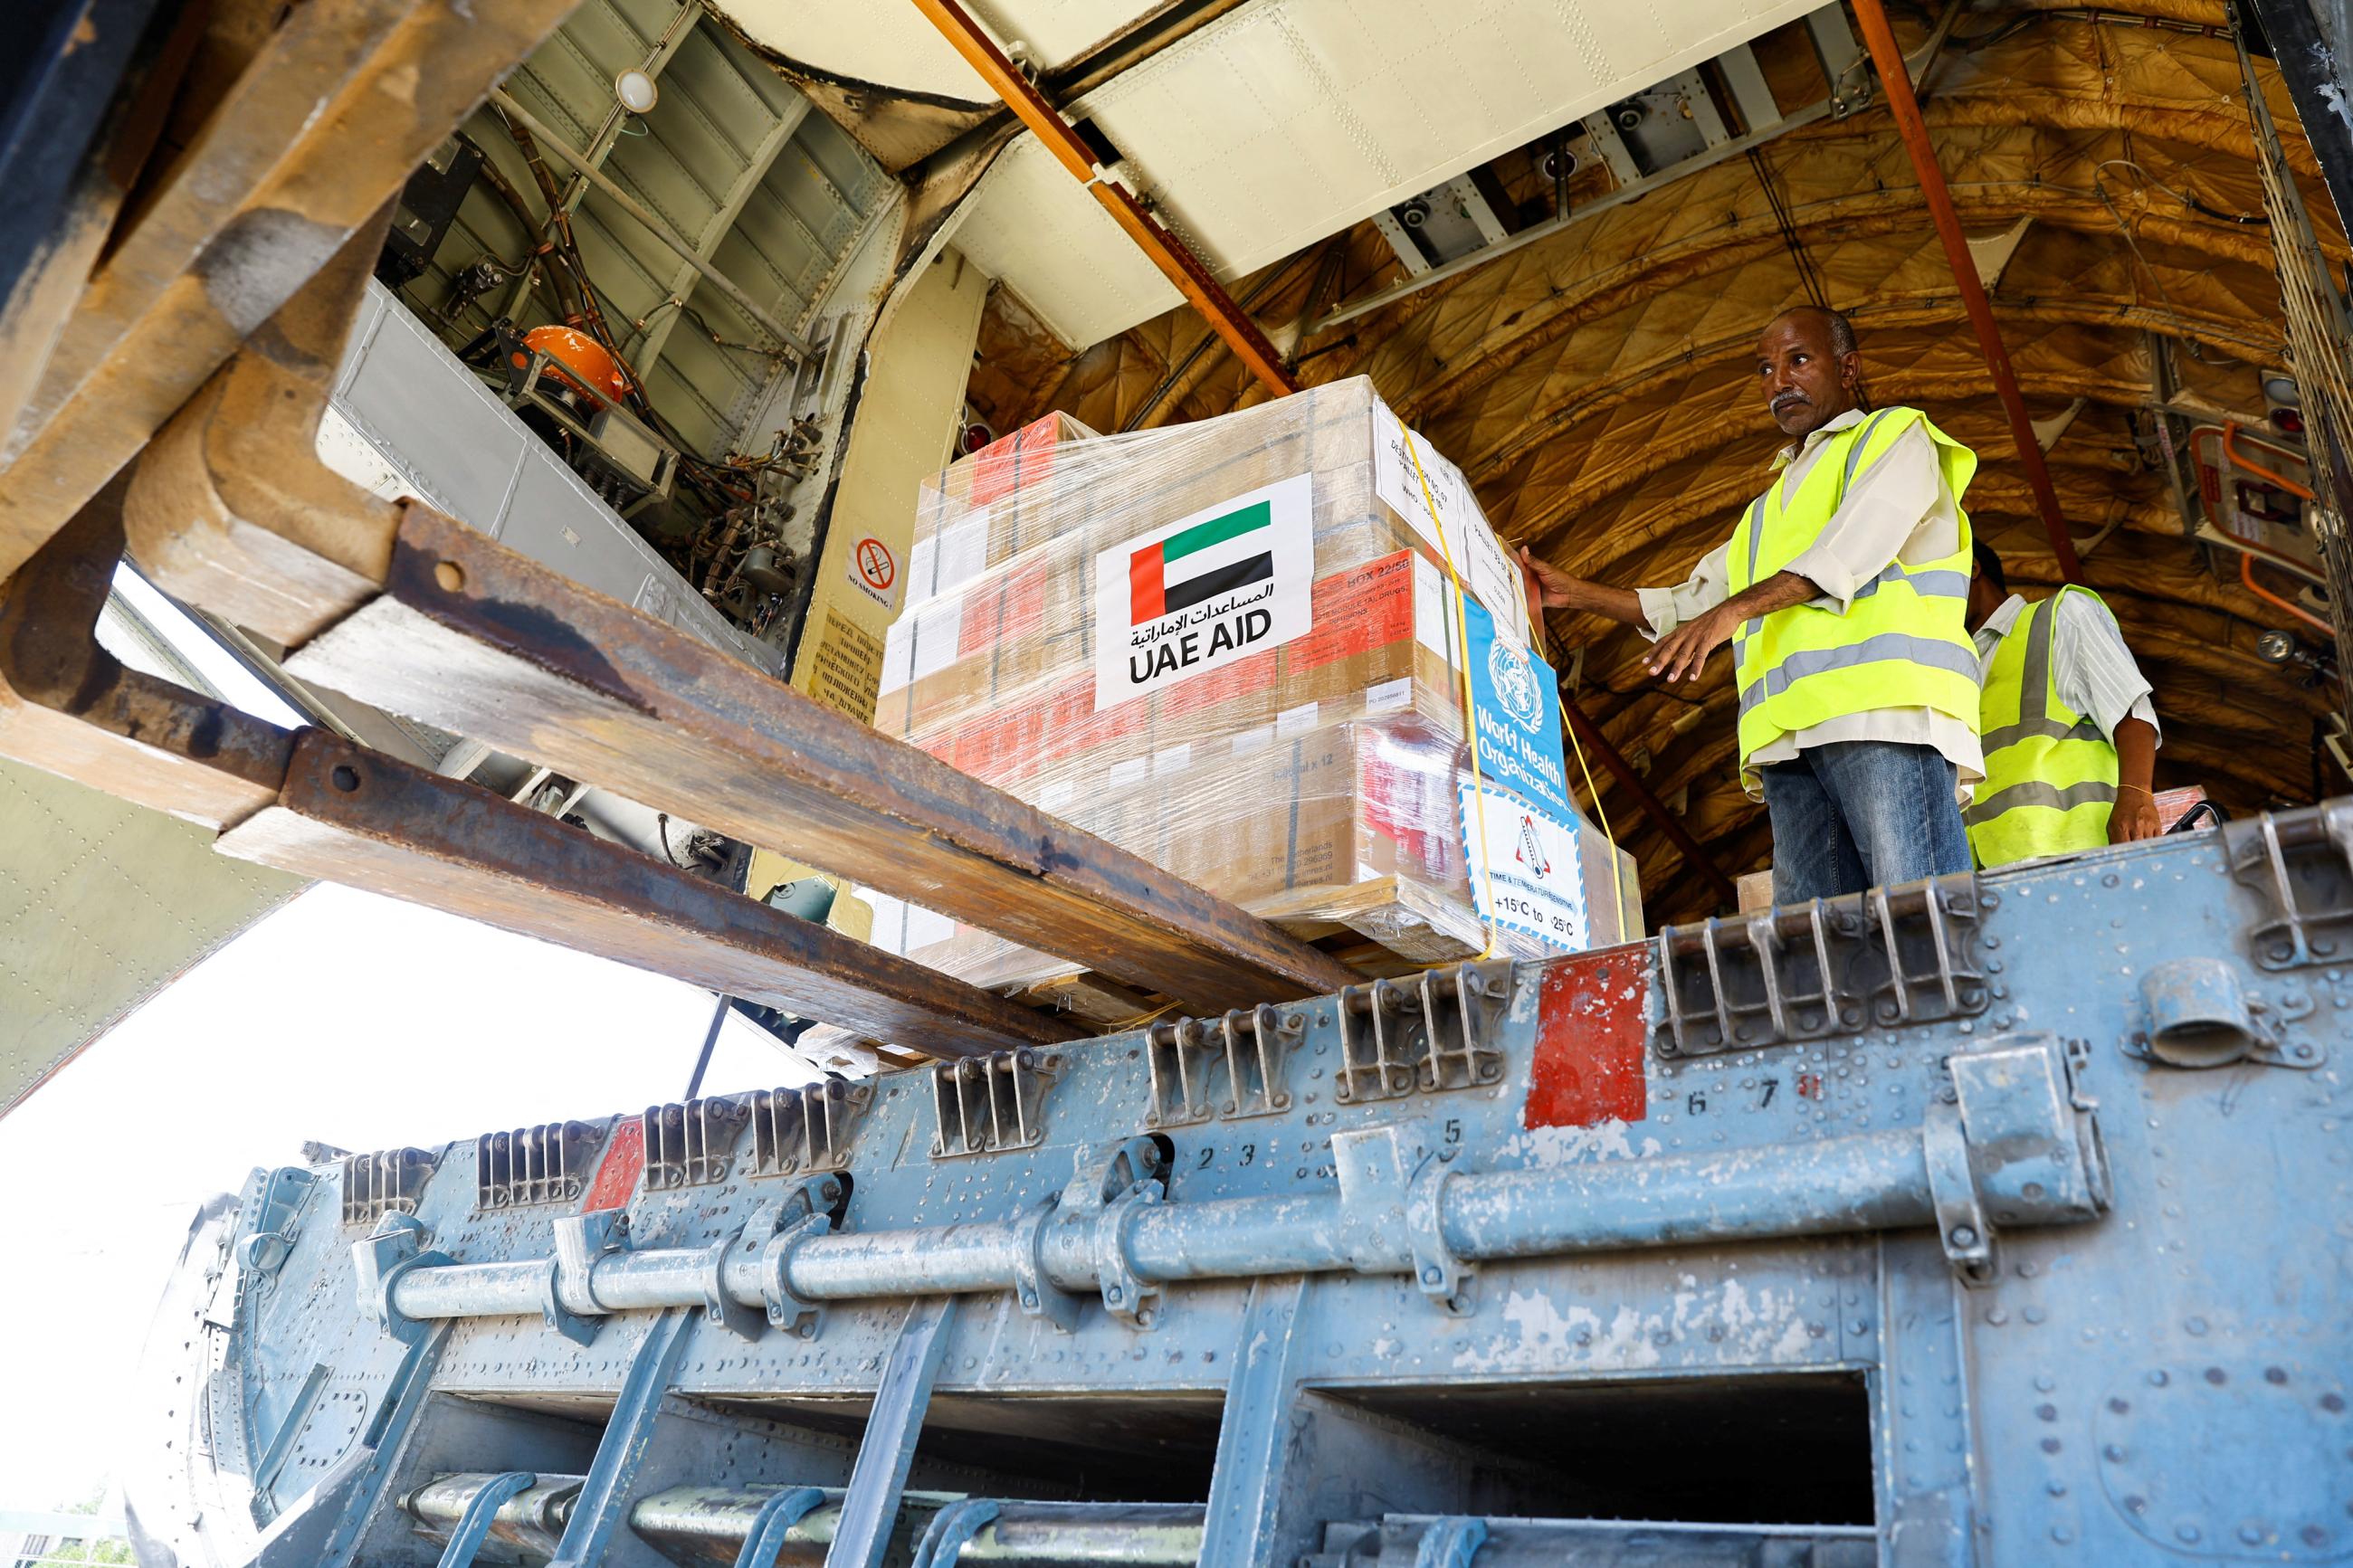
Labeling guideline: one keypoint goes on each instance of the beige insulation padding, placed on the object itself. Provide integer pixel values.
(1598, 386)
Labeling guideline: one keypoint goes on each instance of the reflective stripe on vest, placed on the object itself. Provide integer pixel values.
(1903, 641)
(2051, 775)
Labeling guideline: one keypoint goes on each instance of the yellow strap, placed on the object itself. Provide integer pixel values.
(1471, 721)
(1470, 705)
(1616, 877)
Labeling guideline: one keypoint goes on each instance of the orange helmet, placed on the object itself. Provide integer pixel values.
(581, 360)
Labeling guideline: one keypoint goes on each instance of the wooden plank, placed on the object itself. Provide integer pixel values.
(351, 815)
(478, 639)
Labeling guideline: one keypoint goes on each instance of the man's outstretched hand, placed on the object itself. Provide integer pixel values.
(1553, 588)
(1683, 653)
(1550, 588)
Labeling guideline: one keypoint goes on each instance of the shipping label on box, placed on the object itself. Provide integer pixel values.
(1459, 532)
(1516, 715)
(1524, 867)
(1225, 582)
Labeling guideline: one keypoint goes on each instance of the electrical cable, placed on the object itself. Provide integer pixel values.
(1808, 274)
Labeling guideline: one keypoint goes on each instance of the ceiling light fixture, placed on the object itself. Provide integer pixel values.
(636, 91)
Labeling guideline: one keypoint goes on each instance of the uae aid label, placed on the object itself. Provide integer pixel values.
(1230, 581)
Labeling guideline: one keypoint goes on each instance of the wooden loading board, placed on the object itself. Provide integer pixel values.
(402, 606)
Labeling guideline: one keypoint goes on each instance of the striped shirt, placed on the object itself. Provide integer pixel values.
(1897, 509)
(2094, 668)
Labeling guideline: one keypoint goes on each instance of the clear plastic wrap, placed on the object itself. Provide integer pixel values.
(1231, 647)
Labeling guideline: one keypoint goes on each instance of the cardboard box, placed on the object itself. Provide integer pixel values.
(1081, 635)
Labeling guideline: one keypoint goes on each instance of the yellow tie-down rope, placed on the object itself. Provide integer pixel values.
(1471, 718)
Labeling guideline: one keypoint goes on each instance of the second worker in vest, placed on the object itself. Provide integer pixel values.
(2070, 737)
(1842, 592)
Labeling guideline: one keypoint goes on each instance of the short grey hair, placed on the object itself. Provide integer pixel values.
(1841, 330)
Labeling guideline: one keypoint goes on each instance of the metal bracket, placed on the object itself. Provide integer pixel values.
(2200, 1016)
(1888, 958)
(798, 1131)
(692, 1144)
(1039, 1296)
(1432, 1032)
(1444, 1278)
(1180, 1054)
(1114, 1184)
(580, 1330)
(1125, 1294)
(580, 1240)
(812, 1207)
(2301, 864)
(951, 1530)
(269, 1240)
(380, 1258)
(766, 1539)
(719, 1309)
(473, 1526)
(548, 1164)
(1388, 1175)
(1961, 1224)
(389, 1181)
(1253, 1044)
(1450, 1542)
(991, 1103)
(2018, 1144)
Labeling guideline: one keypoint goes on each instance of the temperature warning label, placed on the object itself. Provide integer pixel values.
(1524, 867)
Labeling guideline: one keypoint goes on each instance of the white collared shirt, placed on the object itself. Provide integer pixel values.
(2094, 669)
(1898, 508)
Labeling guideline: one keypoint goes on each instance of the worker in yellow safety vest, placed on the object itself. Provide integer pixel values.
(1842, 592)
(2070, 736)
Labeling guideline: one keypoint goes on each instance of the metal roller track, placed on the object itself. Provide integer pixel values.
(698, 1525)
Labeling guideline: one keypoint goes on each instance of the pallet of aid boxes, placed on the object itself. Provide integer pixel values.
(1235, 648)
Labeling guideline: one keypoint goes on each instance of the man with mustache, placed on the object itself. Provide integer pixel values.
(1842, 592)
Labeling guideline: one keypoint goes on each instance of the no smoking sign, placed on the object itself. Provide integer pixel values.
(873, 569)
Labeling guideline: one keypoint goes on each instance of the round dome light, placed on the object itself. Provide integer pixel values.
(636, 91)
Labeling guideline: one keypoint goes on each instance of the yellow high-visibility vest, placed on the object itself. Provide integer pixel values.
(2050, 774)
(1903, 641)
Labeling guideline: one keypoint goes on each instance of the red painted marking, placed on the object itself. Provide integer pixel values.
(1591, 1022)
(618, 1172)
(1809, 1086)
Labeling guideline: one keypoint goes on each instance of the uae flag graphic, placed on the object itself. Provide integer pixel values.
(1200, 563)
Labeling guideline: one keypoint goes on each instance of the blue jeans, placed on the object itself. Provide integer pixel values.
(1862, 814)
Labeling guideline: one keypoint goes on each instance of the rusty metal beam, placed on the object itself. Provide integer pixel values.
(314, 803)
(356, 817)
(1170, 255)
(68, 707)
(1895, 79)
(471, 637)
(333, 114)
(1588, 734)
(406, 608)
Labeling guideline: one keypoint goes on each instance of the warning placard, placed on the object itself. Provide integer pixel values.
(1524, 867)
(874, 570)
(846, 668)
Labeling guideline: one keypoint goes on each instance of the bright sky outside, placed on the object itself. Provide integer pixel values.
(344, 1018)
